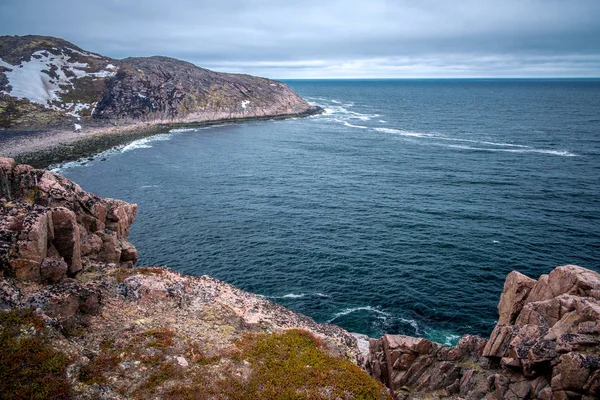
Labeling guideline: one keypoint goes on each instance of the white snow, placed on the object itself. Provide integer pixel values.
(102, 74)
(5, 64)
(141, 96)
(77, 127)
(86, 54)
(245, 104)
(28, 81)
(110, 66)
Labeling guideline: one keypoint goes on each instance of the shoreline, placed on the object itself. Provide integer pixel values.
(45, 148)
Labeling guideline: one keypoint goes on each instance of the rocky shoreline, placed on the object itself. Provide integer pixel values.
(46, 148)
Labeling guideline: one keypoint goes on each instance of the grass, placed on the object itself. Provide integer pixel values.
(289, 365)
(29, 368)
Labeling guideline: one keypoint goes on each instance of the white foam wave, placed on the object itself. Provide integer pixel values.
(563, 153)
(412, 323)
(293, 296)
(511, 147)
(451, 339)
(380, 314)
(179, 130)
(145, 143)
(321, 295)
(348, 124)
(403, 133)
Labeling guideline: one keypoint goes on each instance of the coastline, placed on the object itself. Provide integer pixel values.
(44, 148)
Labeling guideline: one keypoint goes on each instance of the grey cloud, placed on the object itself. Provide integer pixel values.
(312, 38)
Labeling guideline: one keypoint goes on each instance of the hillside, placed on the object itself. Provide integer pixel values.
(49, 83)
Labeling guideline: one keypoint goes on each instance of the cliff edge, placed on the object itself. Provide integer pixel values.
(78, 321)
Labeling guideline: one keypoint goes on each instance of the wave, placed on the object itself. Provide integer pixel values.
(297, 296)
(179, 130)
(380, 314)
(348, 124)
(509, 147)
(563, 153)
(412, 323)
(146, 143)
(403, 133)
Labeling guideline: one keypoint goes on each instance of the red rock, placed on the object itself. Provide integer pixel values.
(53, 270)
(516, 289)
(409, 343)
(31, 247)
(568, 279)
(66, 238)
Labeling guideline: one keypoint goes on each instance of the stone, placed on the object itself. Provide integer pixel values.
(66, 238)
(53, 270)
(50, 217)
(516, 289)
(183, 363)
(31, 247)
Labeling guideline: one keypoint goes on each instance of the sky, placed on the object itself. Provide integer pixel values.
(287, 39)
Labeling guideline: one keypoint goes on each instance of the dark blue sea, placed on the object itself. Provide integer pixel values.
(399, 210)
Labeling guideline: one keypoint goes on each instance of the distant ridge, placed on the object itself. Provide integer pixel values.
(47, 83)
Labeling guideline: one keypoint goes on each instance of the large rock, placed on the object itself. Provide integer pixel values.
(516, 290)
(546, 345)
(47, 222)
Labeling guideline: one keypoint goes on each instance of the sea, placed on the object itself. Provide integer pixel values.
(400, 209)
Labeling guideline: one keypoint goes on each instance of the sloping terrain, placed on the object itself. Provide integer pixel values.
(49, 83)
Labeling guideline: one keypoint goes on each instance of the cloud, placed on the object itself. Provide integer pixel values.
(336, 38)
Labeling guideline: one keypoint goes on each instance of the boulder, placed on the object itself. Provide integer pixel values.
(546, 345)
(516, 289)
(47, 220)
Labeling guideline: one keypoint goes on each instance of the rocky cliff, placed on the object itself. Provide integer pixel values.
(78, 321)
(546, 345)
(49, 83)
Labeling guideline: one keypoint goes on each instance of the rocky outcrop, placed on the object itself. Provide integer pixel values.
(49, 83)
(546, 345)
(50, 227)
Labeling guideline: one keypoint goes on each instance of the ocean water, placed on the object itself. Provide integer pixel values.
(399, 210)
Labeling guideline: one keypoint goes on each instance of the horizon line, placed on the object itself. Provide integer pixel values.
(446, 78)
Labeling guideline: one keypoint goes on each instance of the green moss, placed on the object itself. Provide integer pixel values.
(29, 368)
(290, 365)
(167, 371)
(293, 365)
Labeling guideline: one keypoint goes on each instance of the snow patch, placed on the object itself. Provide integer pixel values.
(77, 127)
(245, 104)
(40, 79)
(5, 64)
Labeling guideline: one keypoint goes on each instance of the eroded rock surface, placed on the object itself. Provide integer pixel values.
(49, 226)
(546, 345)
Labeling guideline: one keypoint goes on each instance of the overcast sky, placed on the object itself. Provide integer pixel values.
(332, 38)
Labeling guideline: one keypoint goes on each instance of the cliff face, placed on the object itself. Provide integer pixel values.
(49, 83)
(546, 345)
